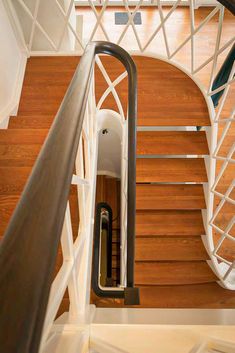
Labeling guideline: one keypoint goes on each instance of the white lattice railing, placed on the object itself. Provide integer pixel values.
(224, 266)
(40, 38)
(77, 248)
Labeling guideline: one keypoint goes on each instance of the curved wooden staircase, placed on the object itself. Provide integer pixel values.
(171, 262)
(171, 267)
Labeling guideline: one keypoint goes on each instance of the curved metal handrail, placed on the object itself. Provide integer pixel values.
(28, 250)
(107, 292)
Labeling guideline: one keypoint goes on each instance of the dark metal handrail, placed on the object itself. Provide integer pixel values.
(129, 293)
(229, 4)
(103, 292)
(29, 248)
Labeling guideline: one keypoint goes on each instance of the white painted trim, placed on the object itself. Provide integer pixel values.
(54, 53)
(16, 27)
(12, 107)
(108, 173)
(4, 123)
(130, 338)
(153, 316)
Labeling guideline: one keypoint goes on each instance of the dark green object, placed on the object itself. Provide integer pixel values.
(229, 4)
(223, 75)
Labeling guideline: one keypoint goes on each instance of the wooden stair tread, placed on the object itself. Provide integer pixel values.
(18, 155)
(172, 143)
(9, 202)
(170, 170)
(151, 119)
(45, 83)
(173, 273)
(169, 223)
(23, 136)
(178, 89)
(49, 108)
(13, 179)
(166, 196)
(170, 249)
(206, 295)
(168, 84)
(31, 122)
(7, 206)
(59, 64)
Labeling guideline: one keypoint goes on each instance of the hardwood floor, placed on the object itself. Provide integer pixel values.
(177, 29)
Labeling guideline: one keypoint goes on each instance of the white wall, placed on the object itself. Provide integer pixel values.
(12, 66)
(109, 145)
(109, 154)
(158, 339)
(50, 19)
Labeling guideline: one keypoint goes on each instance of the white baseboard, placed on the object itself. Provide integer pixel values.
(4, 123)
(12, 106)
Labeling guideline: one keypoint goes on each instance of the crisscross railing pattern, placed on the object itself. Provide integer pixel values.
(224, 264)
(158, 41)
(75, 251)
